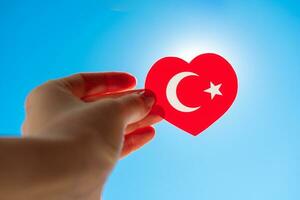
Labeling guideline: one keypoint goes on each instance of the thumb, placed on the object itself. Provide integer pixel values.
(136, 106)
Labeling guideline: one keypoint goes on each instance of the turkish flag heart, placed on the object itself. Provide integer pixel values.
(192, 96)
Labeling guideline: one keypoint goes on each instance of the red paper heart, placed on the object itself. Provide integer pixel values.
(192, 96)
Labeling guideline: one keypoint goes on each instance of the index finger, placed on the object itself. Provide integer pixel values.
(89, 84)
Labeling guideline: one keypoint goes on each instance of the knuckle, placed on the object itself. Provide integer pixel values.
(78, 76)
(73, 81)
(36, 93)
(31, 96)
(41, 88)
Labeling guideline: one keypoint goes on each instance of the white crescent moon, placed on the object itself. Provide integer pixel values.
(171, 92)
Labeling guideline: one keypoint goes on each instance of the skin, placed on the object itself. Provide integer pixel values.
(76, 129)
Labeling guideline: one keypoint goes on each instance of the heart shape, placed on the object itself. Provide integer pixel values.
(192, 96)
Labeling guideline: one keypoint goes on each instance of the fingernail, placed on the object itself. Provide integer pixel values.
(148, 97)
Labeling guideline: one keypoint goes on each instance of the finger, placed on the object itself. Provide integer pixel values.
(96, 97)
(89, 84)
(150, 119)
(136, 140)
(55, 93)
(135, 106)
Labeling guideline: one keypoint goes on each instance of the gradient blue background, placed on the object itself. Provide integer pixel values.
(252, 153)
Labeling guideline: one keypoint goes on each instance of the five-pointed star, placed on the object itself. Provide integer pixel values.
(214, 90)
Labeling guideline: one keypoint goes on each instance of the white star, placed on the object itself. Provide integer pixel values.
(214, 90)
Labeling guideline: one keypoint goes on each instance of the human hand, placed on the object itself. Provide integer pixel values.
(96, 117)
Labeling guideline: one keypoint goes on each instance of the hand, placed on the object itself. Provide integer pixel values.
(97, 119)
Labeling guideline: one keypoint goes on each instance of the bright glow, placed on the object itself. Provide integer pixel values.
(189, 50)
(231, 49)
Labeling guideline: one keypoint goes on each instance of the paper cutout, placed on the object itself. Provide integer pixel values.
(192, 96)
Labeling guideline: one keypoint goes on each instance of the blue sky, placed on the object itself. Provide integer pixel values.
(252, 153)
